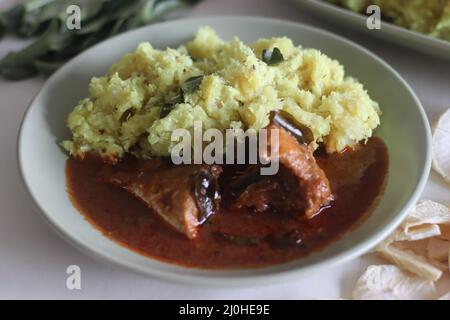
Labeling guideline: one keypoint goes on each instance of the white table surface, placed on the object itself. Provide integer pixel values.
(33, 259)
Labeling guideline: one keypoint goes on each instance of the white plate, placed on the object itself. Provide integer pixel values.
(404, 128)
(414, 40)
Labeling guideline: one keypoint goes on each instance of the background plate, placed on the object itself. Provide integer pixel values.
(42, 162)
(388, 31)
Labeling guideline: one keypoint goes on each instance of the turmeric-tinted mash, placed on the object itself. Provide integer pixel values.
(147, 94)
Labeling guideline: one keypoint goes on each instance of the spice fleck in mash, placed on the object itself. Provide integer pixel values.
(147, 94)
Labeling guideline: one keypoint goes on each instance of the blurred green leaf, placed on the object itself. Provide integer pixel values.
(12, 18)
(55, 44)
(24, 58)
(47, 67)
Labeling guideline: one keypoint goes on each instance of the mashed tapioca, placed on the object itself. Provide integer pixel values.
(149, 93)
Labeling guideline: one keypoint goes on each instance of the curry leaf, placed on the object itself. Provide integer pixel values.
(166, 109)
(285, 120)
(272, 57)
(25, 57)
(18, 73)
(168, 106)
(11, 19)
(46, 67)
(191, 84)
(33, 20)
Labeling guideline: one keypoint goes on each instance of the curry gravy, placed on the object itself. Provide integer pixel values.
(357, 178)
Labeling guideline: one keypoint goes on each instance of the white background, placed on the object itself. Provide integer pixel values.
(33, 259)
